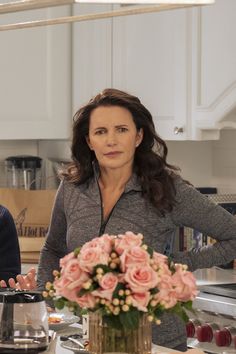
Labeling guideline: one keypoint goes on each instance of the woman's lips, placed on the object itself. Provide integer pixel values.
(112, 153)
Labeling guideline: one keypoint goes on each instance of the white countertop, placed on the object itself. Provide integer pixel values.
(215, 275)
(56, 348)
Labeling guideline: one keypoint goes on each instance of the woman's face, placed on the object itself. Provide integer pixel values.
(113, 136)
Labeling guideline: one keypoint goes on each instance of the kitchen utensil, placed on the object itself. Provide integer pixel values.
(23, 322)
(23, 172)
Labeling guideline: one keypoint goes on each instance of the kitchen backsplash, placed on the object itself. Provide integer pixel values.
(204, 163)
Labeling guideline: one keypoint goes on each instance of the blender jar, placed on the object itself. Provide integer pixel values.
(24, 172)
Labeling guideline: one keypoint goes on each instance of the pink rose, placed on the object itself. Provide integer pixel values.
(141, 300)
(159, 258)
(105, 242)
(65, 259)
(141, 278)
(127, 241)
(108, 284)
(86, 301)
(166, 295)
(163, 270)
(134, 256)
(90, 244)
(184, 284)
(61, 286)
(90, 257)
(73, 271)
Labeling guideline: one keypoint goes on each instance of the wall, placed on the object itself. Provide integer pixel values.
(224, 162)
(203, 163)
(207, 163)
(194, 159)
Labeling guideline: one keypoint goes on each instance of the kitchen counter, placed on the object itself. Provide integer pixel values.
(56, 348)
(215, 275)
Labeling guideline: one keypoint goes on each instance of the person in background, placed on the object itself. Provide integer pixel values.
(120, 181)
(10, 264)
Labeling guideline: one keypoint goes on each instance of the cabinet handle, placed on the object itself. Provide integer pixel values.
(178, 130)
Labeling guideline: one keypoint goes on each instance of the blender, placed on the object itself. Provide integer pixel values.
(24, 172)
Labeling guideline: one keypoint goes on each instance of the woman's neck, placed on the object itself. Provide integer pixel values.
(114, 179)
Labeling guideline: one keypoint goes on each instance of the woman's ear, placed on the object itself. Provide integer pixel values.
(139, 137)
(88, 142)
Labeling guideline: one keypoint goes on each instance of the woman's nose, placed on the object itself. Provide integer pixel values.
(111, 139)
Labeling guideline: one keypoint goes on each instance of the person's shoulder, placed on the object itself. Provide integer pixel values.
(68, 187)
(4, 212)
(180, 182)
(5, 216)
(187, 192)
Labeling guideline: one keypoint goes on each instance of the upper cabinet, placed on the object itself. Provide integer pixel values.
(213, 69)
(35, 72)
(150, 60)
(92, 54)
(142, 54)
(180, 63)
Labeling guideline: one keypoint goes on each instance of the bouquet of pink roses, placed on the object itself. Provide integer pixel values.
(122, 278)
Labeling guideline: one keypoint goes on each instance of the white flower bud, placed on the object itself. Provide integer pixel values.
(121, 292)
(113, 265)
(116, 302)
(99, 271)
(125, 308)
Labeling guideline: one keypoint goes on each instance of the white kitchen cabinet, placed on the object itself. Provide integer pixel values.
(92, 54)
(143, 54)
(180, 63)
(214, 69)
(150, 61)
(35, 84)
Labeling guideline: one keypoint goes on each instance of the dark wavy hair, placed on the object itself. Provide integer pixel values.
(155, 175)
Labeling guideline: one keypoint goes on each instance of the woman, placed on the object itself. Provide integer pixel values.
(10, 264)
(119, 181)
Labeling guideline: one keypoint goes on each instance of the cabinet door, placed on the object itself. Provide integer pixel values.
(35, 84)
(214, 67)
(92, 54)
(150, 60)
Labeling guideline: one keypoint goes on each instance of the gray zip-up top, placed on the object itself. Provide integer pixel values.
(78, 217)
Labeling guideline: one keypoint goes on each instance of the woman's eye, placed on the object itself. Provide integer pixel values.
(122, 129)
(100, 132)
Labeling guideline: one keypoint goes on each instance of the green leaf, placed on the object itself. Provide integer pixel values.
(188, 305)
(150, 251)
(59, 303)
(119, 286)
(130, 319)
(179, 310)
(113, 321)
(154, 291)
(104, 267)
(158, 311)
(77, 251)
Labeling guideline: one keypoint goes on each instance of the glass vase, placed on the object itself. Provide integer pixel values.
(104, 339)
